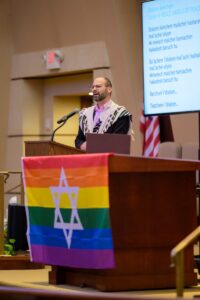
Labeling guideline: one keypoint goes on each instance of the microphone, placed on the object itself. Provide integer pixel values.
(69, 115)
(63, 120)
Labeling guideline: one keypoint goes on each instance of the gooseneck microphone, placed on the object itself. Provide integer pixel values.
(66, 117)
(63, 120)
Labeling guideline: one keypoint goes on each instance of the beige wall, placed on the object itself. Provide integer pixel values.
(73, 23)
(5, 62)
(24, 118)
(100, 37)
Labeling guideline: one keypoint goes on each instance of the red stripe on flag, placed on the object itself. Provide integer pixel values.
(60, 161)
(150, 128)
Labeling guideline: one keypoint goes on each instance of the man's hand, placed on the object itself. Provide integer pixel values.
(83, 146)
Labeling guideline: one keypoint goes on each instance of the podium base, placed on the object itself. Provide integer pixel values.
(18, 262)
(111, 282)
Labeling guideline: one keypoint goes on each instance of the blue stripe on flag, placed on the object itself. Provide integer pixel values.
(81, 239)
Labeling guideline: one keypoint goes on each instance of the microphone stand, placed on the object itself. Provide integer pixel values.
(52, 136)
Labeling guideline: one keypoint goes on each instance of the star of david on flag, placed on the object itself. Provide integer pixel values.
(72, 192)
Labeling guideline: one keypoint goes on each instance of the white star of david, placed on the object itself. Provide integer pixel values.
(72, 192)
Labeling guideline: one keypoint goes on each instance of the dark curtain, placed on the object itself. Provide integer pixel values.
(166, 132)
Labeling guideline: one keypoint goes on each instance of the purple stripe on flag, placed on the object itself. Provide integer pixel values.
(75, 258)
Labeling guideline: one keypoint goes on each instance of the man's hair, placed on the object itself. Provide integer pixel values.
(107, 82)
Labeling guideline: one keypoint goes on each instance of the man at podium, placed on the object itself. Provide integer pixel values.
(105, 116)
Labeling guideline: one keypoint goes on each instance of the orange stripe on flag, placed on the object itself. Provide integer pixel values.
(82, 177)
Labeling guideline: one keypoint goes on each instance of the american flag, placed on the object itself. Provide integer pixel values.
(150, 128)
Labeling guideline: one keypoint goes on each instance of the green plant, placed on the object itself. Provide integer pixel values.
(8, 243)
(9, 247)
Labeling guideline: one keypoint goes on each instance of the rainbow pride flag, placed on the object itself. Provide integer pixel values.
(67, 206)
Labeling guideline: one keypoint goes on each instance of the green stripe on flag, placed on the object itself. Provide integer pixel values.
(90, 218)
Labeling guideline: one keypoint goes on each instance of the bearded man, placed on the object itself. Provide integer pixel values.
(105, 116)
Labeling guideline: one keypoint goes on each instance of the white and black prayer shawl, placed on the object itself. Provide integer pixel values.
(107, 118)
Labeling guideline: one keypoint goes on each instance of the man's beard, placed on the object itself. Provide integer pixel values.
(99, 97)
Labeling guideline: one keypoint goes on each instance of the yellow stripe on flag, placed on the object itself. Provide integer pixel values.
(93, 197)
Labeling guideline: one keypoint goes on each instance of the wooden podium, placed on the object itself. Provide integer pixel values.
(152, 208)
(41, 148)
